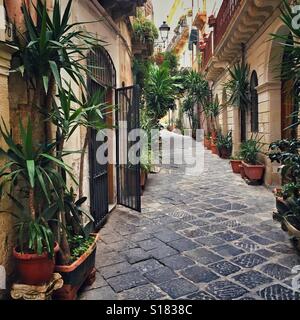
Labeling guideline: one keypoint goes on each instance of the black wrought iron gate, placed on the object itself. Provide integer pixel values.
(104, 80)
(98, 175)
(128, 174)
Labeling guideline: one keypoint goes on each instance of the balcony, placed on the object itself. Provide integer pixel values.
(200, 20)
(236, 22)
(179, 41)
(121, 8)
(224, 18)
(142, 49)
(208, 51)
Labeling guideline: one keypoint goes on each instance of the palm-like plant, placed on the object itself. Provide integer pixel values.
(51, 45)
(161, 91)
(30, 170)
(238, 86)
(290, 66)
(188, 107)
(197, 87)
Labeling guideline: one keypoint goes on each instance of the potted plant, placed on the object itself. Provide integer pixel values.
(207, 140)
(224, 145)
(285, 152)
(83, 244)
(236, 163)
(144, 30)
(282, 195)
(242, 171)
(64, 111)
(250, 149)
(291, 220)
(28, 173)
(214, 148)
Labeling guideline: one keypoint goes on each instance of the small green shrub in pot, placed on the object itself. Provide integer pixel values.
(224, 144)
(249, 151)
(28, 175)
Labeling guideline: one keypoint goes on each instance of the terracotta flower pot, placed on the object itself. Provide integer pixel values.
(214, 149)
(254, 172)
(214, 135)
(207, 142)
(80, 272)
(235, 165)
(34, 269)
(143, 178)
(224, 153)
(242, 171)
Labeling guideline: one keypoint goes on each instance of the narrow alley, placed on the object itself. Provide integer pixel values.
(204, 238)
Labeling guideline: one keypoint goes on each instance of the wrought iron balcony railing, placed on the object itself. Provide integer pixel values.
(225, 15)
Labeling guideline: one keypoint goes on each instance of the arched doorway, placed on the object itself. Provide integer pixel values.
(103, 80)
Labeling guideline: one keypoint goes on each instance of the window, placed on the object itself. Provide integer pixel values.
(254, 102)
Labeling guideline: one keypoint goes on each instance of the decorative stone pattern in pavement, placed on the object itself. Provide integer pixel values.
(201, 237)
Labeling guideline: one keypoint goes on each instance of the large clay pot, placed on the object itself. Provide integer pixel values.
(144, 176)
(34, 269)
(80, 272)
(242, 171)
(254, 172)
(225, 153)
(214, 148)
(214, 135)
(235, 165)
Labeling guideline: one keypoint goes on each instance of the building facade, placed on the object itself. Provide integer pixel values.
(242, 30)
(113, 26)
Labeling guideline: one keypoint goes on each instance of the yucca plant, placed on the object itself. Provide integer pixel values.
(197, 87)
(52, 44)
(238, 86)
(250, 149)
(161, 91)
(290, 66)
(67, 115)
(29, 171)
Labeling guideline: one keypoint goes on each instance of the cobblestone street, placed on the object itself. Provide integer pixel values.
(205, 238)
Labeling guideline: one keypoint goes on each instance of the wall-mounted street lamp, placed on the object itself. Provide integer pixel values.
(164, 31)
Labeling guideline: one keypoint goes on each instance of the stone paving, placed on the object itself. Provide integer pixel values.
(200, 238)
